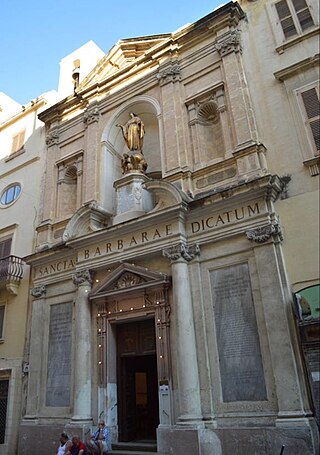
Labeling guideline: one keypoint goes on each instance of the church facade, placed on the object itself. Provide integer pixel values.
(161, 296)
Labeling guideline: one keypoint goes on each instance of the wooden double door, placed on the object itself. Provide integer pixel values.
(138, 402)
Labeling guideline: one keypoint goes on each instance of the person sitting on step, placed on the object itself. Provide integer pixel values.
(98, 444)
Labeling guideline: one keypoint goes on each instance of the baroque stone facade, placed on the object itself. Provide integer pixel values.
(161, 300)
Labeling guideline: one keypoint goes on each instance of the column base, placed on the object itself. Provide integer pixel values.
(30, 419)
(81, 420)
(192, 421)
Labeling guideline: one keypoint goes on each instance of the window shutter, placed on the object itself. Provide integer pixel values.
(311, 104)
(303, 14)
(286, 20)
(2, 310)
(18, 141)
(5, 248)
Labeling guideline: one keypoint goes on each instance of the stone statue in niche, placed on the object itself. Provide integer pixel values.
(133, 133)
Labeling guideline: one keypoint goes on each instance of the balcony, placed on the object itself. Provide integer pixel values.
(11, 272)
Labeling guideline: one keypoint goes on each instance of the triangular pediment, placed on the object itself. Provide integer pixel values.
(124, 53)
(127, 278)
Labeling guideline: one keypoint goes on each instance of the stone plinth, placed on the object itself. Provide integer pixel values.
(132, 199)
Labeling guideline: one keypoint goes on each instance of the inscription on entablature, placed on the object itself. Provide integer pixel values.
(224, 218)
(214, 221)
(56, 267)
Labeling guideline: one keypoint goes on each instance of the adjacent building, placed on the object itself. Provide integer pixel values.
(22, 173)
(22, 144)
(174, 272)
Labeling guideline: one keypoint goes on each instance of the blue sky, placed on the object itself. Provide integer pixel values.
(36, 35)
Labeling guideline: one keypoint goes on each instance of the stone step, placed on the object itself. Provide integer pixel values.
(131, 447)
(131, 452)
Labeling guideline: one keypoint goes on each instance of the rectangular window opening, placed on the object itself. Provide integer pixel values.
(18, 141)
(294, 16)
(2, 311)
(311, 105)
(4, 388)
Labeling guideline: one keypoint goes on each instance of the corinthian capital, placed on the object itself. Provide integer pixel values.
(91, 115)
(170, 74)
(229, 43)
(181, 250)
(52, 138)
(264, 233)
(83, 277)
(38, 291)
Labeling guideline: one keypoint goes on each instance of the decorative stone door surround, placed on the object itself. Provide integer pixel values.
(132, 293)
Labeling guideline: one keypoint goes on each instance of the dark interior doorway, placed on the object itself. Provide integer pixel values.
(138, 404)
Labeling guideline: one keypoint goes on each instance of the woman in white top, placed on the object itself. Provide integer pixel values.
(65, 443)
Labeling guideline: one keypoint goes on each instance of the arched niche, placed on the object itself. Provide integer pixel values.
(113, 144)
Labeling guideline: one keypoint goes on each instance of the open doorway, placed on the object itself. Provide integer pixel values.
(138, 403)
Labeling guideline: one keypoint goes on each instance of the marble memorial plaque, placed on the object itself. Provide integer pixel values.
(59, 355)
(241, 369)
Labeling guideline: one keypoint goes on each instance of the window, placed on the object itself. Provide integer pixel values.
(311, 105)
(10, 194)
(310, 109)
(294, 16)
(5, 248)
(4, 389)
(2, 310)
(18, 141)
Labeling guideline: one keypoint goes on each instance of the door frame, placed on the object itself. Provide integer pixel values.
(136, 350)
(131, 293)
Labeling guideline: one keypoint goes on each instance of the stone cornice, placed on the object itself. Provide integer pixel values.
(297, 68)
(268, 187)
(21, 166)
(25, 110)
(227, 15)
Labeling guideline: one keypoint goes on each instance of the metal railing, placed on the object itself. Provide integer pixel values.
(11, 268)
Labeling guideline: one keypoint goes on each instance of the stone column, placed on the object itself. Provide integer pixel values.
(187, 362)
(82, 359)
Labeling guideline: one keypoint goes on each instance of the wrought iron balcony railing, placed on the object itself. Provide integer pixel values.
(11, 268)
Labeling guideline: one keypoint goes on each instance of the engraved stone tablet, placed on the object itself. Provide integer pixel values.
(241, 369)
(59, 355)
